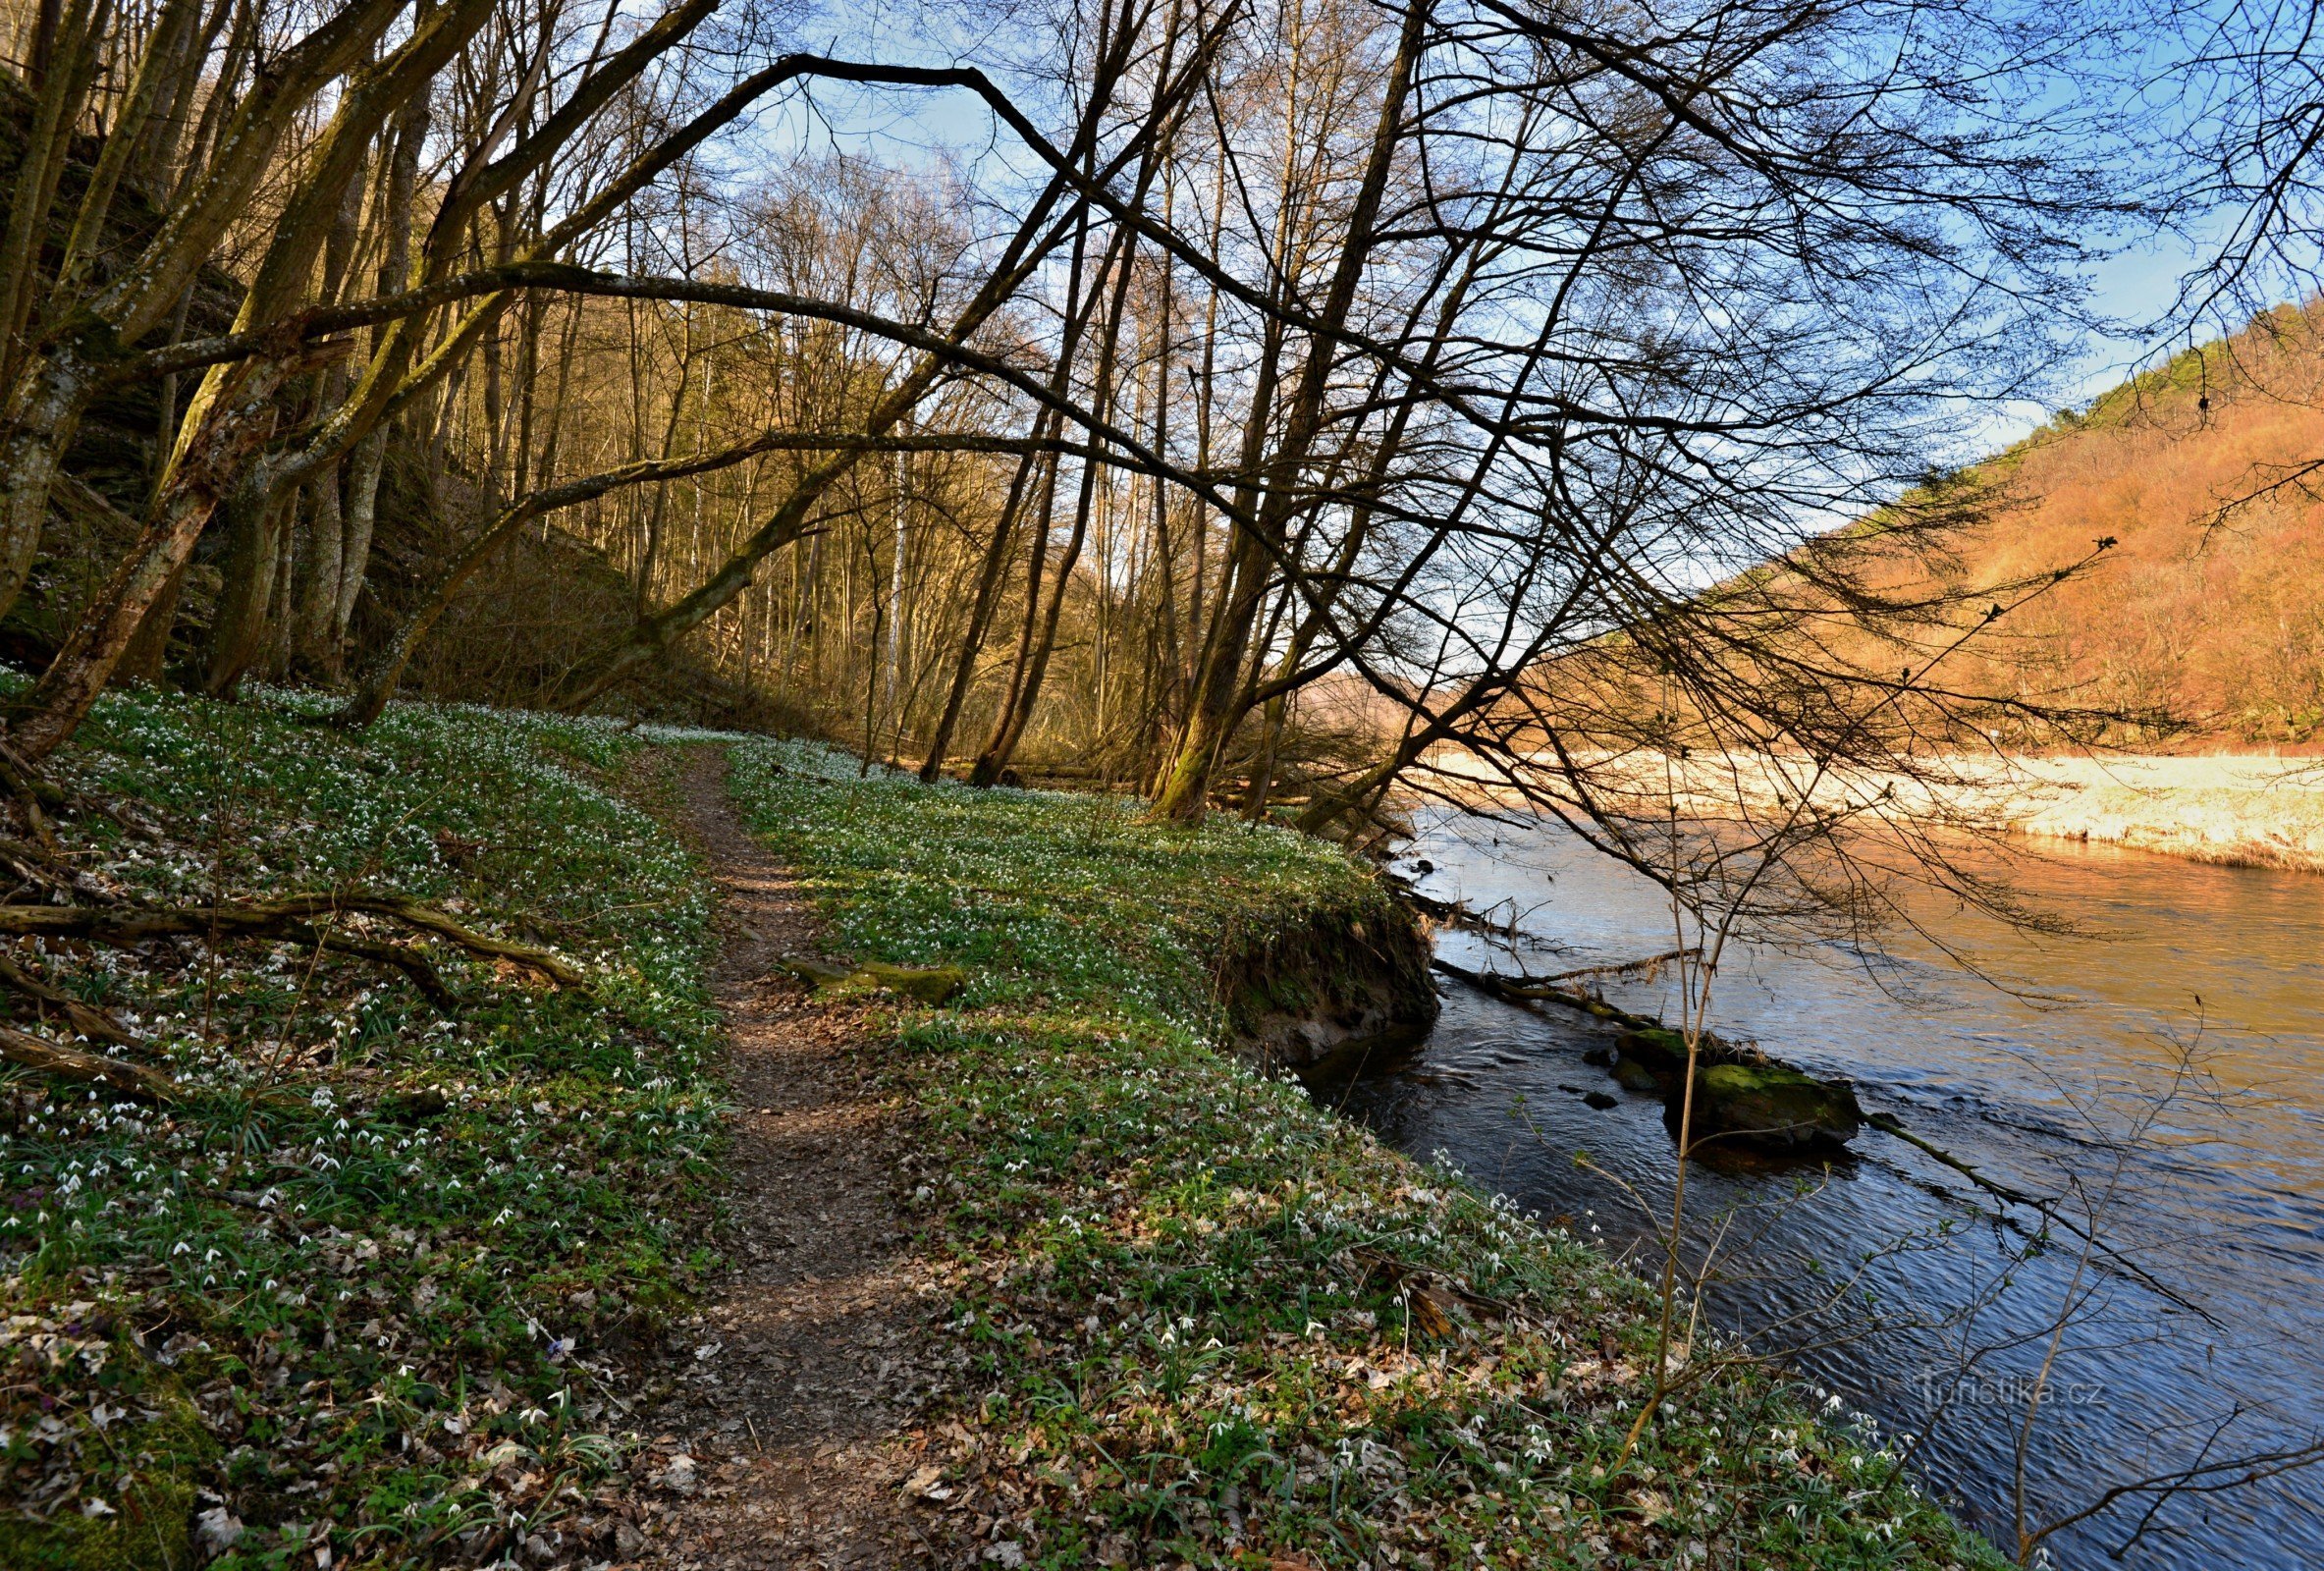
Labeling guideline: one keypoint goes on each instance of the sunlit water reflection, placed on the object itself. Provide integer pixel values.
(2203, 1301)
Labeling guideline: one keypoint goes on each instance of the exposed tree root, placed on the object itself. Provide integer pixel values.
(85, 1019)
(427, 917)
(94, 911)
(402, 956)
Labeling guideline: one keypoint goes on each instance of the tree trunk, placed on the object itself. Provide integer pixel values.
(1013, 724)
(986, 771)
(237, 628)
(146, 659)
(1259, 539)
(368, 458)
(211, 461)
(360, 515)
(980, 612)
(315, 634)
(41, 426)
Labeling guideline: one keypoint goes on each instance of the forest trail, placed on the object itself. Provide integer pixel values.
(793, 1378)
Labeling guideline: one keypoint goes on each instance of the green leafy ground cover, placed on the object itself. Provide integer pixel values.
(364, 1287)
(356, 1289)
(1200, 1321)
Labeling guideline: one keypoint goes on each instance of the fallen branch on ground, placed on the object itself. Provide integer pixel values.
(70, 1063)
(290, 916)
(85, 1019)
(402, 956)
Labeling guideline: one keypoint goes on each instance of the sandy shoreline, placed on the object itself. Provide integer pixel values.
(2239, 810)
(2236, 810)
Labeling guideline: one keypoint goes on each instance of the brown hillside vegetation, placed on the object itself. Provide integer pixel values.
(2211, 605)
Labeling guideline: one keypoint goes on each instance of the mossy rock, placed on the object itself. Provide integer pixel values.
(1634, 1075)
(1772, 1109)
(933, 984)
(1659, 1053)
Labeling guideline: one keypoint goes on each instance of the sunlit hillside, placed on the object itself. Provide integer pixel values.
(2211, 605)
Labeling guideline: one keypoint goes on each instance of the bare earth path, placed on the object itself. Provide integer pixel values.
(779, 1445)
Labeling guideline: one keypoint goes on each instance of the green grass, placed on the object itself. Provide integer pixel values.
(370, 1284)
(362, 1284)
(1197, 1321)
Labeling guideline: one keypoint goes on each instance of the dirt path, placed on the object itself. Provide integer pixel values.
(780, 1444)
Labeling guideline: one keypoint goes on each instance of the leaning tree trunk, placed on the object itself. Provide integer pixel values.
(364, 467)
(146, 659)
(1186, 790)
(1011, 735)
(980, 617)
(211, 460)
(986, 771)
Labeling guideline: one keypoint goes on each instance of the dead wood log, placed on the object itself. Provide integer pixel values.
(70, 1063)
(402, 956)
(85, 1019)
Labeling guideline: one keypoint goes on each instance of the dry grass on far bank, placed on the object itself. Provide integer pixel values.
(2243, 810)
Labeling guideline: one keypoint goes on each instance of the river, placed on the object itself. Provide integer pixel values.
(2054, 1072)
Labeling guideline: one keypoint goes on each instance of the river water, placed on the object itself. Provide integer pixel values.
(2161, 1073)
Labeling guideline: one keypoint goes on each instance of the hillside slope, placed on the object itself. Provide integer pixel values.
(542, 603)
(2211, 605)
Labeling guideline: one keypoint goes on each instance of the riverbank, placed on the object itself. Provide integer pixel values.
(1197, 1321)
(2235, 810)
(2171, 965)
(387, 1267)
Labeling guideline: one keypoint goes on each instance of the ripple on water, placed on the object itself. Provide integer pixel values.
(2212, 1301)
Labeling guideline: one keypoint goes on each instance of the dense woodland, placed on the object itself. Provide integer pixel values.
(1231, 403)
(1258, 397)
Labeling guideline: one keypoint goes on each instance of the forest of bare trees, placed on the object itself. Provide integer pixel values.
(1233, 403)
(1305, 410)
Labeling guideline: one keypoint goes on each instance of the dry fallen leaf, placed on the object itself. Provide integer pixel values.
(923, 1484)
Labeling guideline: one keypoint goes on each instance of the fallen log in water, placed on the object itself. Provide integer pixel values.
(1743, 1098)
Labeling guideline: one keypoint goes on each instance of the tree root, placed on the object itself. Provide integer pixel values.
(290, 916)
(70, 1063)
(402, 956)
(428, 918)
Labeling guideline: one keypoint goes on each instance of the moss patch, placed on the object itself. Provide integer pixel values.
(1771, 1106)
